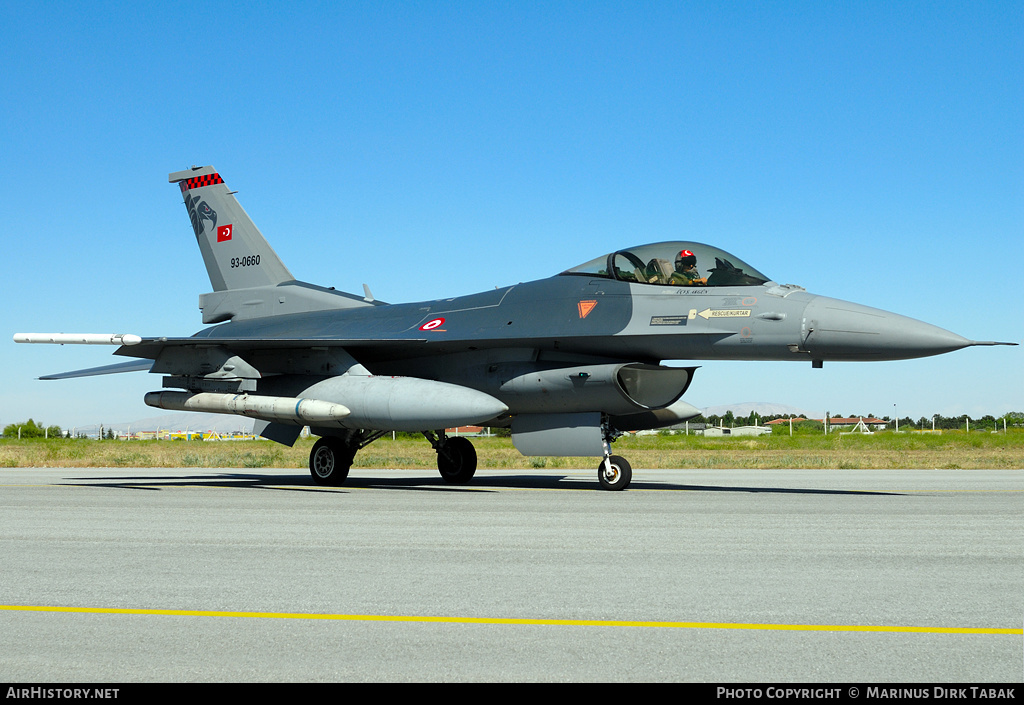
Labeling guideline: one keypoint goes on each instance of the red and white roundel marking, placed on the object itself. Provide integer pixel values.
(431, 325)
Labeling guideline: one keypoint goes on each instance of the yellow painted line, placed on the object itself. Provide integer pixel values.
(521, 622)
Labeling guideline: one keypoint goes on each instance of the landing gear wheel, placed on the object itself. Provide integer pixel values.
(615, 474)
(456, 460)
(329, 461)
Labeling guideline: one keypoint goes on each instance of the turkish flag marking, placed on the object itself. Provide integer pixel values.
(224, 233)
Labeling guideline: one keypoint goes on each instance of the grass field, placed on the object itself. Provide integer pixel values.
(950, 449)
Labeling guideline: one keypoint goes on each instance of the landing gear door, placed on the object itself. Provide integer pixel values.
(559, 434)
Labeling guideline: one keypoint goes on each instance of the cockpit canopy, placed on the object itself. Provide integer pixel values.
(673, 264)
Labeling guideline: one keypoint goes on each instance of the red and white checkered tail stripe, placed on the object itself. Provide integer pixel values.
(200, 181)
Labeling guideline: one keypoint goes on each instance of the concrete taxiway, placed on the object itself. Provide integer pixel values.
(124, 574)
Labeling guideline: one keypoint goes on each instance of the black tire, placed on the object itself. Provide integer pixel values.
(618, 477)
(329, 461)
(456, 461)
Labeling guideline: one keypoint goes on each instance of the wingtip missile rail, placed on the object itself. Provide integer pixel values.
(78, 338)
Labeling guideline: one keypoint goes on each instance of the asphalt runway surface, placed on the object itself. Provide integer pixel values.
(142, 575)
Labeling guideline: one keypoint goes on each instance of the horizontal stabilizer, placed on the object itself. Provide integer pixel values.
(130, 366)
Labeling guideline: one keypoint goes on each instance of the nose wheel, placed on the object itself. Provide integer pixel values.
(614, 473)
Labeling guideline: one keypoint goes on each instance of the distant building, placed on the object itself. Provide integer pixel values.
(779, 422)
(870, 422)
(685, 427)
(718, 431)
(466, 431)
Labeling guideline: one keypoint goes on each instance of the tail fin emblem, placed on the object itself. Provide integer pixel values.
(198, 211)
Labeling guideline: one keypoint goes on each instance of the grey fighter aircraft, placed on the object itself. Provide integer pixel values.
(569, 363)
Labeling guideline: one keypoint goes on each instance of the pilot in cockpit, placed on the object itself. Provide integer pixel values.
(686, 273)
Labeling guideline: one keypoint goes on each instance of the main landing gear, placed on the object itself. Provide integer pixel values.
(332, 456)
(456, 457)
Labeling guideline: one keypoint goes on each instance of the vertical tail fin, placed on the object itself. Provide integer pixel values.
(236, 254)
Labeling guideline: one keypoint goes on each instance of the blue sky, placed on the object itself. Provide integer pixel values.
(869, 151)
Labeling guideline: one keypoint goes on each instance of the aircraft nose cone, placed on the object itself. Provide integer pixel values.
(841, 330)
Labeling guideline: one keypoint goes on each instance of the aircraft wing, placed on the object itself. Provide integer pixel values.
(150, 348)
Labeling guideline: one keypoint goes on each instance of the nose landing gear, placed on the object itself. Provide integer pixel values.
(614, 473)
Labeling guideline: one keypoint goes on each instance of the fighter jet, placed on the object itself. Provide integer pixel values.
(570, 362)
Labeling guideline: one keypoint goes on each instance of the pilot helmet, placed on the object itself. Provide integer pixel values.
(685, 259)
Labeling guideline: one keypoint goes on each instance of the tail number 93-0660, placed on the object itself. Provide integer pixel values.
(249, 261)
